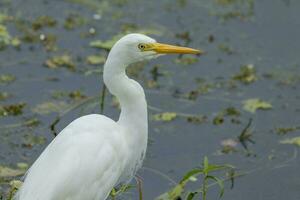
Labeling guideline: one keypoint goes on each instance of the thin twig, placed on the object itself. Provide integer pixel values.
(102, 100)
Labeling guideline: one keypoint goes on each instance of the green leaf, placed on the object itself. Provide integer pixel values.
(205, 165)
(7, 78)
(246, 75)
(295, 141)
(60, 61)
(281, 130)
(124, 188)
(220, 183)
(4, 96)
(31, 140)
(43, 21)
(106, 44)
(166, 116)
(251, 105)
(12, 109)
(191, 195)
(10, 172)
(186, 60)
(50, 107)
(73, 21)
(95, 59)
(179, 189)
(191, 173)
(174, 193)
(4, 18)
(212, 168)
(22, 166)
(6, 39)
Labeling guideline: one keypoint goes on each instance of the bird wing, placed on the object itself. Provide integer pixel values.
(83, 162)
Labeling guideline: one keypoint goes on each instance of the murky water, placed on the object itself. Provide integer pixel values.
(261, 35)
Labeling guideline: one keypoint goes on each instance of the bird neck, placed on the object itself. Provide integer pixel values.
(133, 117)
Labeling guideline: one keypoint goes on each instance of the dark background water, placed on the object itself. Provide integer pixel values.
(262, 33)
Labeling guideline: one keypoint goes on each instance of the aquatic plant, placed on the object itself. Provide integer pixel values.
(206, 170)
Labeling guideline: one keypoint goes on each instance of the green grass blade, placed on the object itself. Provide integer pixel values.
(220, 183)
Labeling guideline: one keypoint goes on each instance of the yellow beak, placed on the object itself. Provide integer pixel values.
(171, 49)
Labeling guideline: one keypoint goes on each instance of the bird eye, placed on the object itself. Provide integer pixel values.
(142, 46)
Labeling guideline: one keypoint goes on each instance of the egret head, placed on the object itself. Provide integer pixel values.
(137, 47)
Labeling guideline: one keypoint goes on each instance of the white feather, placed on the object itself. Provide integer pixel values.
(88, 155)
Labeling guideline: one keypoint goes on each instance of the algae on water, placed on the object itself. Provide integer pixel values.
(251, 105)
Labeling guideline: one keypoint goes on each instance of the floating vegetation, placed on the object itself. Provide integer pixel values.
(251, 105)
(50, 107)
(106, 44)
(230, 111)
(203, 87)
(4, 18)
(166, 116)
(186, 60)
(32, 32)
(49, 41)
(99, 6)
(31, 140)
(27, 123)
(283, 76)
(60, 61)
(77, 95)
(12, 109)
(96, 59)
(226, 48)
(152, 84)
(43, 21)
(246, 75)
(29, 35)
(32, 122)
(185, 36)
(219, 119)
(232, 9)
(4, 96)
(197, 119)
(58, 94)
(294, 141)
(10, 172)
(73, 21)
(73, 95)
(22, 165)
(178, 192)
(7, 78)
(229, 146)
(6, 39)
(286, 130)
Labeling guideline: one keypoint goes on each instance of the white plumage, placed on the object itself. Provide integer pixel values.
(94, 153)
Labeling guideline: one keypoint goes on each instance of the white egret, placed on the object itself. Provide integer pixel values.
(95, 153)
